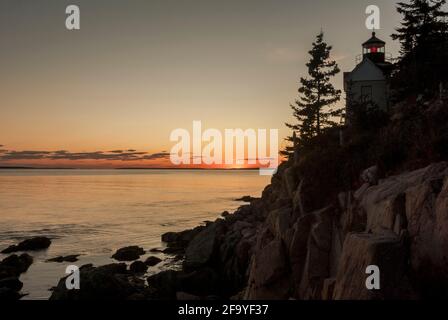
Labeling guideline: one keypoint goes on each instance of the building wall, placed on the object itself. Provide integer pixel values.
(366, 83)
(375, 91)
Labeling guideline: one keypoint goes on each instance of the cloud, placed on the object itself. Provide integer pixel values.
(161, 155)
(24, 155)
(114, 155)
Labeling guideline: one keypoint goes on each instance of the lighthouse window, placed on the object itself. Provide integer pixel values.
(374, 50)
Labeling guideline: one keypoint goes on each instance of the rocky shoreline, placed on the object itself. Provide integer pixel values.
(283, 246)
(274, 248)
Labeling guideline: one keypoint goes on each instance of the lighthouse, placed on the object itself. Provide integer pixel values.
(367, 84)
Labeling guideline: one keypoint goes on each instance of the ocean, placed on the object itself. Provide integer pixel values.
(95, 212)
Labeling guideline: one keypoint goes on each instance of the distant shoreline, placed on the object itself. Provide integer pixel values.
(185, 169)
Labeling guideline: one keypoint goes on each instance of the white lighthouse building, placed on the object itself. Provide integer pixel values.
(368, 83)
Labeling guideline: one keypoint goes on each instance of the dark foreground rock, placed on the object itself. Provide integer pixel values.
(10, 269)
(60, 259)
(33, 244)
(15, 265)
(128, 253)
(181, 239)
(109, 282)
(7, 294)
(152, 261)
(138, 267)
(166, 284)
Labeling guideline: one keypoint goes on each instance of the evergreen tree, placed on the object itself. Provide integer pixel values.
(314, 109)
(423, 38)
(422, 23)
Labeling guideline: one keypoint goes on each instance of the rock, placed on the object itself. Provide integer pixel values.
(290, 182)
(426, 218)
(279, 221)
(186, 296)
(109, 282)
(297, 201)
(415, 203)
(152, 261)
(370, 175)
(268, 276)
(33, 244)
(361, 250)
(60, 259)
(138, 267)
(248, 199)
(317, 264)
(328, 288)
(12, 283)
(201, 282)
(225, 214)
(201, 249)
(128, 253)
(165, 284)
(298, 248)
(181, 239)
(239, 226)
(174, 250)
(14, 265)
(7, 294)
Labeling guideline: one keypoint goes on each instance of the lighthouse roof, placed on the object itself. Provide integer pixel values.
(373, 40)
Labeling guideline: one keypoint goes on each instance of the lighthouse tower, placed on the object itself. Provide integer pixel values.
(368, 83)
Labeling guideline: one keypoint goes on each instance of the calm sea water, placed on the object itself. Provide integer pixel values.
(95, 212)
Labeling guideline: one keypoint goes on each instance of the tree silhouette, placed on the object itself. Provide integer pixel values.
(423, 38)
(314, 109)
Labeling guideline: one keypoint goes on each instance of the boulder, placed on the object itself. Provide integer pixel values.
(7, 294)
(248, 199)
(12, 283)
(128, 253)
(138, 267)
(181, 239)
(14, 265)
(201, 249)
(370, 175)
(60, 259)
(152, 261)
(109, 282)
(33, 244)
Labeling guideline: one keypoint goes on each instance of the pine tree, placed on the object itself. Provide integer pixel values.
(422, 23)
(314, 109)
(423, 39)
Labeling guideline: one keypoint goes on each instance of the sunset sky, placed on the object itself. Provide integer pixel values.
(113, 91)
